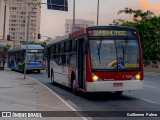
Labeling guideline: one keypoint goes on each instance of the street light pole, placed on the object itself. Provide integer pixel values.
(97, 12)
(73, 16)
(25, 65)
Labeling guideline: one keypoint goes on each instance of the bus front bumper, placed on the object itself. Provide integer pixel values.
(112, 86)
(35, 67)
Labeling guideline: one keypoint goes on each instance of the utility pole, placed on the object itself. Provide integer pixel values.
(29, 13)
(97, 12)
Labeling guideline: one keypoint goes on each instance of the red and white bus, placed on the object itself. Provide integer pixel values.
(97, 59)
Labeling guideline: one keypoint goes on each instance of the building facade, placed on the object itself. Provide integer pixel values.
(79, 24)
(4, 30)
(18, 20)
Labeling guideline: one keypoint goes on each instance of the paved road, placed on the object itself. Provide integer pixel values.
(147, 99)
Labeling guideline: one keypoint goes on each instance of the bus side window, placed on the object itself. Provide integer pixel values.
(73, 54)
(74, 45)
(70, 46)
(67, 48)
(54, 51)
(51, 51)
(62, 59)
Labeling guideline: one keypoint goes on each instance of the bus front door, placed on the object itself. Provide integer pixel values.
(48, 61)
(81, 64)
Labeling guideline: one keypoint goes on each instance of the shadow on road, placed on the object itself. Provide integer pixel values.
(65, 91)
(107, 96)
(100, 96)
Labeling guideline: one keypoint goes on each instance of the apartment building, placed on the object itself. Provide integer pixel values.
(4, 30)
(18, 20)
(79, 24)
(2, 15)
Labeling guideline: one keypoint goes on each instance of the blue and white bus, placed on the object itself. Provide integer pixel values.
(35, 58)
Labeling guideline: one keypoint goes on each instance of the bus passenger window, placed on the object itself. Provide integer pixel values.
(63, 59)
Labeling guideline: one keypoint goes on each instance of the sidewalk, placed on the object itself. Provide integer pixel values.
(151, 71)
(18, 94)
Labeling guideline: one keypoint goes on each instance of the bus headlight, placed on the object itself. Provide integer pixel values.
(137, 77)
(94, 77)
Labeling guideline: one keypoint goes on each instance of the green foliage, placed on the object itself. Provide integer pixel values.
(6, 48)
(148, 25)
(137, 13)
(147, 62)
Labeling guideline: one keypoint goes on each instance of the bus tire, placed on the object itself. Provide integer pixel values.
(118, 92)
(52, 78)
(75, 92)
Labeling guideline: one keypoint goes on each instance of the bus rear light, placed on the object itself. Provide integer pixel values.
(134, 33)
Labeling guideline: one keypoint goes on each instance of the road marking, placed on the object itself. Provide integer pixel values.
(142, 99)
(148, 86)
(67, 104)
(147, 100)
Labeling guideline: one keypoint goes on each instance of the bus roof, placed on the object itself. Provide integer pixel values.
(30, 46)
(110, 27)
(83, 31)
(33, 46)
(58, 39)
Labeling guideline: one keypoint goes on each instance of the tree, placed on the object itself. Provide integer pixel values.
(148, 25)
(6, 48)
(138, 15)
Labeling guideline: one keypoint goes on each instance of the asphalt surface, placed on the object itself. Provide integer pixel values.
(147, 99)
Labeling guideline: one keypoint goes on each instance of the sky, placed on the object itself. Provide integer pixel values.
(53, 22)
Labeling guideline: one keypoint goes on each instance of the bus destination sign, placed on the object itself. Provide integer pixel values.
(35, 51)
(110, 33)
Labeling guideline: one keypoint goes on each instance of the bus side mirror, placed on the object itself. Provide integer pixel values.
(85, 47)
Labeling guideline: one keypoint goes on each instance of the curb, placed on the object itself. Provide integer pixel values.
(152, 74)
(67, 104)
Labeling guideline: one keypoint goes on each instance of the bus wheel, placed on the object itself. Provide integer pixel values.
(38, 71)
(52, 78)
(74, 87)
(118, 92)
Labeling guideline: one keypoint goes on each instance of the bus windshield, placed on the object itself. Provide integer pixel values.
(114, 54)
(35, 57)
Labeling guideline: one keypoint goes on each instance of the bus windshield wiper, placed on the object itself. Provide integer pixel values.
(99, 50)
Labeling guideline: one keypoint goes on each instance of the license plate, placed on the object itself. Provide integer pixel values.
(117, 84)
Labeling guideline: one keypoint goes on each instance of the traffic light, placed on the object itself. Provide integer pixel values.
(8, 37)
(39, 36)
